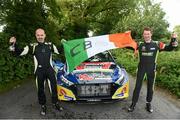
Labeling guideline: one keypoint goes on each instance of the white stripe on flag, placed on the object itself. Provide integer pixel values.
(99, 44)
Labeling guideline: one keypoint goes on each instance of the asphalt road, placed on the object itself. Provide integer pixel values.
(21, 103)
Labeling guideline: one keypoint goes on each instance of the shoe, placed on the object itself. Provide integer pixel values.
(149, 107)
(57, 107)
(132, 107)
(43, 110)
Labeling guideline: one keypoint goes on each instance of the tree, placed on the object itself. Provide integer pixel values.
(21, 19)
(99, 16)
(146, 14)
(71, 19)
(177, 31)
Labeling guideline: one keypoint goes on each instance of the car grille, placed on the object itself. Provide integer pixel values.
(93, 90)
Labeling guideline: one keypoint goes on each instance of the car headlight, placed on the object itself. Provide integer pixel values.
(121, 78)
(66, 81)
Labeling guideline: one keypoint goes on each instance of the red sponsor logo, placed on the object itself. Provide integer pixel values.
(62, 92)
(85, 77)
(103, 65)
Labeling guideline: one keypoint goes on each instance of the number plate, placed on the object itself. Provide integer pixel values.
(93, 90)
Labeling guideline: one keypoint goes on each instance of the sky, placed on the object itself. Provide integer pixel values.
(171, 8)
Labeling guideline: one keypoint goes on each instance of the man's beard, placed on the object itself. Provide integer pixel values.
(40, 40)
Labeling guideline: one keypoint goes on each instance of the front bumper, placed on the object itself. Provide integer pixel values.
(70, 94)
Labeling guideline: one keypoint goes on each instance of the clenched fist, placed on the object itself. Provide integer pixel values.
(12, 40)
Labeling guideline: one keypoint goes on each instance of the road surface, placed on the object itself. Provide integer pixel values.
(21, 103)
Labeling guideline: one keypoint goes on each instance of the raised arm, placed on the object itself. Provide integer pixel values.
(172, 45)
(14, 48)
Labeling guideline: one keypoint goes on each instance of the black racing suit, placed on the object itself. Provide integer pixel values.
(148, 53)
(42, 53)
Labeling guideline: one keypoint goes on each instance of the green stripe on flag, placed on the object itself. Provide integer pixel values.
(75, 53)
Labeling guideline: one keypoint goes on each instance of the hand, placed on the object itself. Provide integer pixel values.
(174, 35)
(12, 40)
(175, 44)
(63, 40)
(174, 41)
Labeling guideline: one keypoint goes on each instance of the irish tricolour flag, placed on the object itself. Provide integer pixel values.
(78, 50)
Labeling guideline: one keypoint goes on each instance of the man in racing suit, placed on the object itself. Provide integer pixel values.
(42, 53)
(148, 51)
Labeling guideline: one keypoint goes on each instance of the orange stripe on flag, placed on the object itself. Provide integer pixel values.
(122, 40)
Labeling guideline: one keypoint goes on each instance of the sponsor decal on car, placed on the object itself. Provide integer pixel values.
(93, 80)
(85, 77)
(120, 95)
(94, 65)
(68, 98)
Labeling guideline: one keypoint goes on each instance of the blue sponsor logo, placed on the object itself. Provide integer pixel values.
(120, 95)
(68, 98)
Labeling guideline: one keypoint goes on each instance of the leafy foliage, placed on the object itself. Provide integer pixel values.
(168, 73)
(146, 14)
(177, 31)
(70, 19)
(21, 19)
(99, 16)
(11, 68)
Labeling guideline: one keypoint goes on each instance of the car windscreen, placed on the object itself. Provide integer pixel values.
(101, 57)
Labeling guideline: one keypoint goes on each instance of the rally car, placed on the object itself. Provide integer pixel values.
(96, 79)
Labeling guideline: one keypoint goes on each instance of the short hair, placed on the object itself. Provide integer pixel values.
(147, 29)
(39, 29)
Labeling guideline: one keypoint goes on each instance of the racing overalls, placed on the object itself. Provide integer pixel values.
(42, 54)
(148, 53)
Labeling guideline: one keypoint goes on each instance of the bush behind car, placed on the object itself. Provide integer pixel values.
(168, 68)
